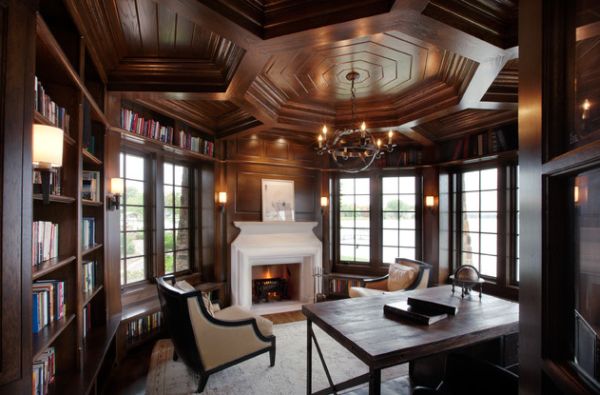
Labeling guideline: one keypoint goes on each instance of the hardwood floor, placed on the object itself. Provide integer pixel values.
(129, 378)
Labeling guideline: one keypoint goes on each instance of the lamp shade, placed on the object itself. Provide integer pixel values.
(116, 186)
(324, 201)
(429, 201)
(222, 197)
(47, 146)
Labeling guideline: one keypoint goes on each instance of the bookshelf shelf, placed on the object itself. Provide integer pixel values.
(50, 265)
(87, 297)
(91, 203)
(39, 118)
(48, 334)
(56, 198)
(136, 138)
(94, 351)
(506, 155)
(91, 249)
(90, 158)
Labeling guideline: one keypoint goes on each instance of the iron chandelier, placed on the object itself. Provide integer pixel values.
(353, 149)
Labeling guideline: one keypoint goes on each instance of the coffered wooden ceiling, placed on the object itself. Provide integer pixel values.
(428, 69)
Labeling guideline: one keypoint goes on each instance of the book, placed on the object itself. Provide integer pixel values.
(90, 185)
(405, 311)
(432, 307)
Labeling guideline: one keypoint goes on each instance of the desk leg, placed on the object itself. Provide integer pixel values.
(374, 381)
(308, 357)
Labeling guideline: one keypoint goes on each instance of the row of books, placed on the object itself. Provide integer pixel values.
(88, 232)
(89, 276)
(90, 185)
(143, 325)
(135, 123)
(44, 241)
(55, 183)
(342, 285)
(486, 143)
(196, 144)
(49, 303)
(44, 371)
(56, 114)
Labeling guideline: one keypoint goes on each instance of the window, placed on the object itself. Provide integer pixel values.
(354, 209)
(399, 218)
(479, 225)
(132, 212)
(176, 218)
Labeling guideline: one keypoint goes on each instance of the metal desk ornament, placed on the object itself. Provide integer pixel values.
(467, 277)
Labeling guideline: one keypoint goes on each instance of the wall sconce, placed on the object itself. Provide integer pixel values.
(47, 153)
(222, 200)
(116, 190)
(324, 203)
(430, 201)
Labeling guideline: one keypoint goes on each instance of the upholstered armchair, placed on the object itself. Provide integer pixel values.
(208, 341)
(404, 275)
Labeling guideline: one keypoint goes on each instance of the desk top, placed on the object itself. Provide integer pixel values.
(360, 325)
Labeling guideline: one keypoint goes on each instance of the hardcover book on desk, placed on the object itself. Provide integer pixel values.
(420, 310)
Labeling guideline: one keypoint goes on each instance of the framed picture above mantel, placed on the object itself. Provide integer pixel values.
(277, 200)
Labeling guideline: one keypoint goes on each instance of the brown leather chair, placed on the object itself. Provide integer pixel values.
(199, 337)
(418, 274)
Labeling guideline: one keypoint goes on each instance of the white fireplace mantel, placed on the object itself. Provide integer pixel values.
(273, 243)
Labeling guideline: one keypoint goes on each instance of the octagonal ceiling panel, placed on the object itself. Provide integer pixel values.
(386, 65)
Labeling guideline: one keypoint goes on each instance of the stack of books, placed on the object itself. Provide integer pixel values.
(88, 230)
(143, 325)
(56, 114)
(89, 276)
(55, 184)
(44, 371)
(44, 241)
(420, 311)
(135, 123)
(90, 185)
(49, 303)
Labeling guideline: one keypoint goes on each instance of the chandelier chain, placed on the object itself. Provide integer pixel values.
(352, 99)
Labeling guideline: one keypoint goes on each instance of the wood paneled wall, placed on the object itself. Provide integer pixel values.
(251, 159)
(17, 39)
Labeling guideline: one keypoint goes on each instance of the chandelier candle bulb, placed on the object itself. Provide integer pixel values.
(320, 141)
(324, 130)
(378, 143)
(390, 134)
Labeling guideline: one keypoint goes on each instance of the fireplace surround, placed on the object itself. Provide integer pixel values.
(275, 243)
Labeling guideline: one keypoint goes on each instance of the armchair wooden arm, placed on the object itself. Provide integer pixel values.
(375, 283)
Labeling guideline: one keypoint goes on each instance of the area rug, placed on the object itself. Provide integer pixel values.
(254, 376)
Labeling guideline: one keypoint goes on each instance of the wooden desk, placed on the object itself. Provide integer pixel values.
(380, 342)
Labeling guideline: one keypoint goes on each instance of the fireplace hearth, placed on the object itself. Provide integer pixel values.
(265, 290)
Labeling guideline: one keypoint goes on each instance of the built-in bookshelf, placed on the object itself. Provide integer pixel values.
(142, 125)
(491, 142)
(73, 325)
(337, 285)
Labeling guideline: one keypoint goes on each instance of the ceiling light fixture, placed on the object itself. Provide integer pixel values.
(353, 149)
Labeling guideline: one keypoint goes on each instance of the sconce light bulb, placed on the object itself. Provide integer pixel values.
(586, 105)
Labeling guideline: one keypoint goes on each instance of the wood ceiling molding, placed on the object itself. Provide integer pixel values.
(465, 122)
(149, 47)
(505, 87)
(221, 118)
(274, 18)
(493, 21)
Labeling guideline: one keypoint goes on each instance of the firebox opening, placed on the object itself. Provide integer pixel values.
(275, 283)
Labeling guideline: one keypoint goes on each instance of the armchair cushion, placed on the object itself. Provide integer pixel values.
(401, 276)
